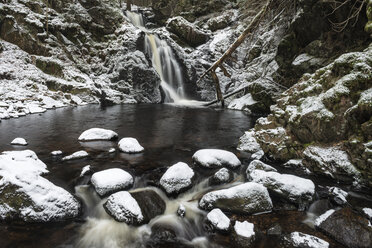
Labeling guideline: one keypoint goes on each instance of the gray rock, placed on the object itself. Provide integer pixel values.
(222, 176)
(150, 202)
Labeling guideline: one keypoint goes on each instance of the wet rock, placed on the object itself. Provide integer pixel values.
(130, 145)
(177, 179)
(222, 176)
(76, 155)
(19, 142)
(302, 240)
(27, 196)
(348, 228)
(218, 220)
(111, 180)
(124, 208)
(292, 188)
(151, 204)
(244, 234)
(275, 230)
(258, 165)
(330, 161)
(338, 196)
(220, 22)
(98, 134)
(247, 198)
(214, 158)
(187, 31)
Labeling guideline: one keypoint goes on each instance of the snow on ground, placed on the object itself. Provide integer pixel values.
(323, 217)
(97, 134)
(130, 145)
(242, 103)
(248, 143)
(218, 220)
(124, 208)
(41, 200)
(298, 239)
(86, 169)
(76, 155)
(293, 188)
(177, 178)
(19, 141)
(212, 158)
(111, 180)
(244, 229)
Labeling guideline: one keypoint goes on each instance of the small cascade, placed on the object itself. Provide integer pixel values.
(163, 61)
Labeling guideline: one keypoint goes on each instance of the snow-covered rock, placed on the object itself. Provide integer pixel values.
(248, 143)
(111, 180)
(292, 188)
(223, 175)
(338, 195)
(130, 145)
(246, 198)
(29, 197)
(300, 240)
(86, 169)
(213, 158)
(181, 211)
(19, 142)
(177, 178)
(368, 212)
(124, 208)
(97, 134)
(243, 233)
(323, 217)
(76, 155)
(218, 220)
(56, 153)
(258, 165)
(242, 103)
(111, 150)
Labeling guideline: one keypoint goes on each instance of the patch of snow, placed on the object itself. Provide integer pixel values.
(56, 153)
(130, 145)
(242, 103)
(86, 169)
(35, 109)
(124, 208)
(338, 194)
(177, 178)
(211, 158)
(293, 163)
(298, 239)
(50, 103)
(97, 134)
(323, 217)
(76, 155)
(248, 143)
(244, 229)
(19, 141)
(218, 219)
(111, 180)
(368, 212)
(111, 150)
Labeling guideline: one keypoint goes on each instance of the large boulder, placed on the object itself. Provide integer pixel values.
(247, 198)
(177, 178)
(111, 180)
(150, 202)
(214, 158)
(97, 134)
(27, 196)
(347, 227)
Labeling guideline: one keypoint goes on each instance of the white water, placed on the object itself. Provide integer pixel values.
(163, 61)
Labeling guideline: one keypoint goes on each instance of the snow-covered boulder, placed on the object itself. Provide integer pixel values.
(19, 142)
(258, 165)
(223, 175)
(56, 153)
(243, 234)
(214, 158)
(111, 180)
(98, 134)
(243, 103)
(86, 170)
(124, 208)
(300, 240)
(150, 202)
(292, 188)
(247, 198)
(248, 143)
(130, 145)
(76, 155)
(27, 196)
(368, 212)
(338, 195)
(218, 220)
(177, 178)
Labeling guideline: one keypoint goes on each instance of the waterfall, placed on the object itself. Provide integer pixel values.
(163, 61)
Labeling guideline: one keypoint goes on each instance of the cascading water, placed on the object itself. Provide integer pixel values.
(163, 61)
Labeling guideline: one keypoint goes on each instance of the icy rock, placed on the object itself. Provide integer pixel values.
(258, 165)
(181, 211)
(243, 103)
(300, 240)
(86, 169)
(247, 198)
(243, 234)
(111, 180)
(292, 188)
(29, 197)
(130, 145)
(124, 208)
(218, 220)
(214, 158)
(98, 134)
(338, 195)
(177, 178)
(56, 153)
(76, 155)
(248, 143)
(223, 175)
(19, 141)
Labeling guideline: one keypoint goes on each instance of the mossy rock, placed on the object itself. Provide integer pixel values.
(49, 67)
